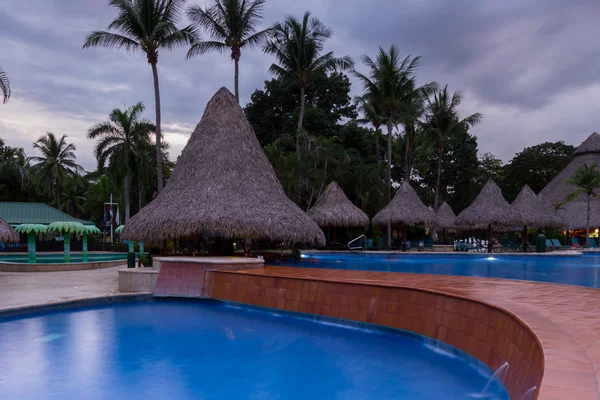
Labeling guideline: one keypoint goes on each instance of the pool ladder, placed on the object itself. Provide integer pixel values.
(355, 240)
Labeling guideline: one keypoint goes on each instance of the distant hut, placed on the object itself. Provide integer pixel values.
(7, 233)
(555, 192)
(445, 219)
(489, 211)
(405, 209)
(334, 210)
(535, 211)
(223, 183)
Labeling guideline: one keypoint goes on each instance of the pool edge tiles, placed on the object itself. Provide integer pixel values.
(487, 332)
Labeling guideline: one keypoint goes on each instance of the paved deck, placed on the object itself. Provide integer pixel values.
(21, 289)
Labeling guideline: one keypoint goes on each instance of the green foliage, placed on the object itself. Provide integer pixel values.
(586, 180)
(535, 166)
(4, 86)
(14, 173)
(146, 261)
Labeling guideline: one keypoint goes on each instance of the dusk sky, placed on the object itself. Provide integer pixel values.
(532, 67)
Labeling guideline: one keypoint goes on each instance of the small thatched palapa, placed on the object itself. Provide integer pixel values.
(7, 233)
(574, 213)
(446, 219)
(535, 211)
(333, 209)
(489, 210)
(405, 208)
(223, 183)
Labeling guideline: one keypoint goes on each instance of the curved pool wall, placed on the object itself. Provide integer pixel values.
(55, 262)
(96, 352)
(580, 270)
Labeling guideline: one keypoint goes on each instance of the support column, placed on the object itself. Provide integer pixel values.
(67, 244)
(141, 248)
(31, 247)
(85, 247)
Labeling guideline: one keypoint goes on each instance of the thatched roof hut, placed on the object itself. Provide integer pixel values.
(574, 213)
(224, 183)
(405, 208)
(489, 210)
(333, 209)
(446, 219)
(535, 211)
(7, 233)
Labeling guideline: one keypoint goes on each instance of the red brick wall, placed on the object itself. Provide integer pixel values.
(492, 335)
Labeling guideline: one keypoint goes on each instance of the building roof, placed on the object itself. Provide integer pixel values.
(16, 213)
(536, 211)
(333, 208)
(555, 192)
(405, 208)
(223, 183)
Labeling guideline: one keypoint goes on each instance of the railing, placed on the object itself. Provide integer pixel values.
(357, 239)
(58, 246)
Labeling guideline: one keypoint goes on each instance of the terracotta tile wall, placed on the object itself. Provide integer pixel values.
(491, 335)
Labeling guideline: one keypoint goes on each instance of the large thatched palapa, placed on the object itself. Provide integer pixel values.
(223, 183)
(536, 211)
(446, 219)
(405, 208)
(7, 233)
(334, 209)
(574, 213)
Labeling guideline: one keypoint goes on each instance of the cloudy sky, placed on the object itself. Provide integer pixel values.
(532, 67)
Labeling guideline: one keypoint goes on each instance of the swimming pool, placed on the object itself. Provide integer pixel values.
(213, 350)
(582, 270)
(58, 258)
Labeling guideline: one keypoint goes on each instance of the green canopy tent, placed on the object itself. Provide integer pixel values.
(32, 230)
(67, 228)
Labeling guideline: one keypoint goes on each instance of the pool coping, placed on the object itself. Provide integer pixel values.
(557, 253)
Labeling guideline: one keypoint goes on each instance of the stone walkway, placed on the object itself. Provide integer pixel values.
(27, 289)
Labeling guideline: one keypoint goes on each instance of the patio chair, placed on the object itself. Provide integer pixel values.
(369, 244)
(549, 245)
(407, 245)
(575, 242)
(381, 244)
(557, 245)
(593, 244)
(428, 244)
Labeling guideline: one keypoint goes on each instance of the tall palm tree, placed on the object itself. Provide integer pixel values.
(297, 46)
(122, 142)
(389, 83)
(441, 122)
(231, 25)
(4, 85)
(56, 164)
(371, 115)
(587, 181)
(409, 116)
(146, 26)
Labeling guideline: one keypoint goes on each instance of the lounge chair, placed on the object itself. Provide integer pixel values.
(407, 245)
(575, 242)
(593, 243)
(549, 245)
(369, 244)
(428, 244)
(381, 244)
(557, 245)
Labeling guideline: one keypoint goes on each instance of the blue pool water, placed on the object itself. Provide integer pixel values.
(583, 270)
(60, 258)
(210, 350)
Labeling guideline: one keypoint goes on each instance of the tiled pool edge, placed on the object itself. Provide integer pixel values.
(487, 332)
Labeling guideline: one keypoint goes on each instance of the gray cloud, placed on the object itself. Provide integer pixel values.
(530, 67)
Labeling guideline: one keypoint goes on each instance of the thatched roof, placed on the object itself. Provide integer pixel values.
(535, 211)
(446, 219)
(224, 183)
(489, 208)
(334, 209)
(405, 208)
(7, 233)
(574, 213)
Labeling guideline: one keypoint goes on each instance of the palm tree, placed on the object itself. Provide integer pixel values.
(297, 46)
(4, 85)
(231, 25)
(371, 115)
(587, 181)
(122, 142)
(56, 164)
(409, 116)
(441, 121)
(389, 83)
(146, 26)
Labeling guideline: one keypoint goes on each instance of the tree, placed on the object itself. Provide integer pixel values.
(389, 83)
(4, 85)
(232, 26)
(441, 122)
(14, 173)
(587, 181)
(146, 26)
(122, 142)
(56, 164)
(491, 168)
(297, 45)
(535, 166)
(372, 115)
(274, 110)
